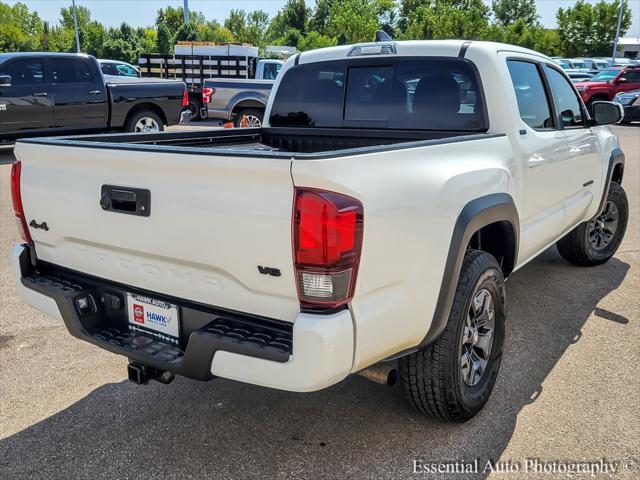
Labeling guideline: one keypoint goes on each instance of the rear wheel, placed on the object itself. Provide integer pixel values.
(452, 378)
(596, 241)
(144, 121)
(253, 117)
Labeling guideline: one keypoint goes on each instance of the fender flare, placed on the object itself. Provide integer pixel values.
(243, 97)
(616, 158)
(478, 213)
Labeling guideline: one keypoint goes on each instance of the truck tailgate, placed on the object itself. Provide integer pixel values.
(213, 220)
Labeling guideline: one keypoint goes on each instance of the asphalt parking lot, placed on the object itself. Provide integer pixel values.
(568, 391)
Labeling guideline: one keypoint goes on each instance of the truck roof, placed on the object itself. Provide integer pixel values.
(7, 55)
(445, 48)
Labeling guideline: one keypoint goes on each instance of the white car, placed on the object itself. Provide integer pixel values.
(579, 65)
(115, 69)
(367, 227)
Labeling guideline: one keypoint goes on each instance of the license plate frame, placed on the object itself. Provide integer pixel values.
(153, 316)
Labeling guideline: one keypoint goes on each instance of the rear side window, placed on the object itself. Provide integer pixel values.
(24, 71)
(125, 70)
(271, 70)
(418, 93)
(533, 103)
(310, 96)
(71, 70)
(108, 68)
(630, 76)
(566, 99)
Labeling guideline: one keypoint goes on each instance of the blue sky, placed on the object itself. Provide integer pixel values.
(143, 12)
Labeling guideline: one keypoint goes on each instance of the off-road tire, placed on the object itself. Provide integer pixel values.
(432, 376)
(576, 248)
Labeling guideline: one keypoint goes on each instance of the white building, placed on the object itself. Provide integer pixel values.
(629, 47)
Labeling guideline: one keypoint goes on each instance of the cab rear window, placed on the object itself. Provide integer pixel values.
(422, 93)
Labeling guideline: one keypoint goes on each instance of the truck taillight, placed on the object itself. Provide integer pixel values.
(327, 240)
(207, 93)
(185, 98)
(16, 199)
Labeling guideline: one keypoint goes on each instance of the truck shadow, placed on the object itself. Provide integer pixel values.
(225, 429)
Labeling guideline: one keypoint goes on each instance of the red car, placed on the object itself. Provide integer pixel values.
(608, 82)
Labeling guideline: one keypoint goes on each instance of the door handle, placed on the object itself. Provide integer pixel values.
(40, 94)
(535, 160)
(132, 201)
(95, 92)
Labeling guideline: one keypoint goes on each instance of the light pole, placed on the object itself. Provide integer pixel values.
(615, 42)
(186, 11)
(75, 24)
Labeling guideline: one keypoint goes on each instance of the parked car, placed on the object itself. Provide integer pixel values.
(624, 62)
(227, 99)
(631, 103)
(116, 68)
(578, 64)
(579, 76)
(595, 64)
(45, 93)
(367, 227)
(608, 82)
(564, 63)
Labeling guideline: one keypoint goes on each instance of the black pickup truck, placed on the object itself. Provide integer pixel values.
(44, 93)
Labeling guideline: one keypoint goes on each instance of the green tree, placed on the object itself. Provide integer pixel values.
(94, 36)
(120, 49)
(20, 30)
(187, 32)
(388, 16)
(291, 38)
(447, 19)
(236, 23)
(587, 29)
(293, 16)
(66, 17)
(313, 40)
(212, 31)
(60, 39)
(353, 21)
(147, 39)
(320, 16)
(256, 27)
(165, 39)
(173, 18)
(507, 12)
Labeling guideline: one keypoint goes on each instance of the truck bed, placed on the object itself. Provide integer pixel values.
(269, 142)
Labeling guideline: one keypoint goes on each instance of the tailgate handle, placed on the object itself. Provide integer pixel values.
(132, 201)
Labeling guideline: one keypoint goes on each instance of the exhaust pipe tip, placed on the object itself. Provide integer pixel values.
(381, 373)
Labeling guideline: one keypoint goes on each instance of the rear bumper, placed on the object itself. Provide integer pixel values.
(313, 353)
(217, 113)
(185, 117)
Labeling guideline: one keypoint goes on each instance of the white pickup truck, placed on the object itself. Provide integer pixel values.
(368, 227)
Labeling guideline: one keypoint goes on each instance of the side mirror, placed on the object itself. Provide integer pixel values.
(606, 113)
(5, 80)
